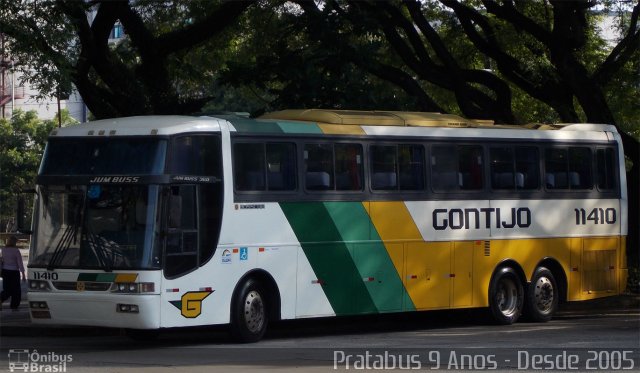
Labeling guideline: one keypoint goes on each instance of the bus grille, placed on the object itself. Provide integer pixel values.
(88, 286)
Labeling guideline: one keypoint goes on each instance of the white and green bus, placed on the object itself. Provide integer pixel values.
(158, 222)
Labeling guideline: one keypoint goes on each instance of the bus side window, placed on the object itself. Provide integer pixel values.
(502, 168)
(384, 173)
(606, 168)
(470, 167)
(514, 168)
(527, 167)
(318, 160)
(455, 168)
(281, 166)
(444, 168)
(411, 167)
(249, 166)
(568, 168)
(348, 166)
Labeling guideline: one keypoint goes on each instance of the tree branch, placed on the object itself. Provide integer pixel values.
(622, 52)
(202, 30)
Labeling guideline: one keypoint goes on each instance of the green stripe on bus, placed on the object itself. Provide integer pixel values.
(299, 127)
(329, 257)
(370, 256)
(248, 125)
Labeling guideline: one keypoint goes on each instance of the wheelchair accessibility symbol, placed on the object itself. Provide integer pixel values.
(244, 253)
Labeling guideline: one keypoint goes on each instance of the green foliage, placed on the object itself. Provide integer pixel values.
(22, 141)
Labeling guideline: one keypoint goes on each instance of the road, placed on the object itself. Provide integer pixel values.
(458, 340)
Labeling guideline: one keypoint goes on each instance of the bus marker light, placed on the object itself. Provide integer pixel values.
(412, 277)
(320, 282)
(574, 269)
(235, 251)
(209, 289)
(368, 279)
(452, 275)
(173, 290)
(612, 267)
(261, 249)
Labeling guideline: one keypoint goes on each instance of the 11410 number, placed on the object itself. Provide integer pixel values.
(596, 216)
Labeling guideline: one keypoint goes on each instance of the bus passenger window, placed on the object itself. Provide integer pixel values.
(470, 167)
(444, 168)
(514, 168)
(348, 166)
(281, 166)
(502, 164)
(411, 167)
(606, 167)
(318, 159)
(456, 167)
(249, 166)
(384, 175)
(527, 167)
(568, 168)
(580, 164)
(397, 167)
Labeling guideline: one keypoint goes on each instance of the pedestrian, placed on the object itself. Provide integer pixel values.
(11, 268)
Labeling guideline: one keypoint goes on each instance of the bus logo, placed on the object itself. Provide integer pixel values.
(226, 256)
(80, 286)
(190, 305)
(18, 360)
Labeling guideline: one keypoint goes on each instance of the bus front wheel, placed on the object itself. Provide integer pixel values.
(249, 316)
(542, 296)
(506, 296)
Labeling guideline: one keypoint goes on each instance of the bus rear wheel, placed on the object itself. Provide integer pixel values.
(542, 296)
(506, 296)
(249, 317)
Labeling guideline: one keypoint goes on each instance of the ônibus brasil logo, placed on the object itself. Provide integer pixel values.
(24, 360)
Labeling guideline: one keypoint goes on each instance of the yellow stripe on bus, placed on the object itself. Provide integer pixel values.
(418, 263)
(340, 129)
(126, 277)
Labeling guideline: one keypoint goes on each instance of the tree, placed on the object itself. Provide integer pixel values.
(22, 141)
(137, 78)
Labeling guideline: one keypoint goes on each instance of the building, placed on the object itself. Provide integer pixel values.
(19, 95)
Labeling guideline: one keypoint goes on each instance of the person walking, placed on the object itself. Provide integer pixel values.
(11, 268)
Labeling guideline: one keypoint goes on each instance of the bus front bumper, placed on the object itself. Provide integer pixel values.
(105, 310)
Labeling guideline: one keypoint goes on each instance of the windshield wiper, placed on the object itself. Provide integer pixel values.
(99, 249)
(68, 236)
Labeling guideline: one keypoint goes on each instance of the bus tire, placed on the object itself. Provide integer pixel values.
(542, 296)
(249, 316)
(506, 296)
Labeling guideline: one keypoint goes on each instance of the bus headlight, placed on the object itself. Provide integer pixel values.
(133, 287)
(39, 285)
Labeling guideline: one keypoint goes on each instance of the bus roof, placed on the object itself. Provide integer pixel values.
(337, 122)
(141, 126)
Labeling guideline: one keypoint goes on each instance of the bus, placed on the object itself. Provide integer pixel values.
(153, 222)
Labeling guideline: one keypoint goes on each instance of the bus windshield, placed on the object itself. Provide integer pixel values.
(104, 156)
(109, 227)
